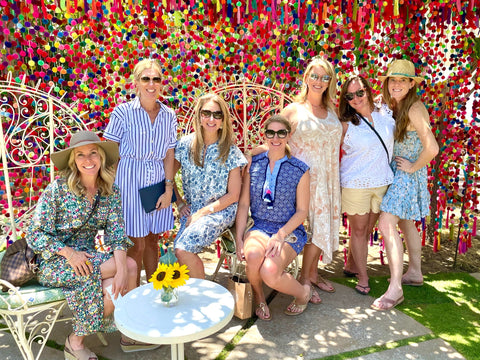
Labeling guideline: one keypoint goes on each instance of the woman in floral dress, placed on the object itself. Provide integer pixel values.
(71, 262)
(407, 199)
(210, 164)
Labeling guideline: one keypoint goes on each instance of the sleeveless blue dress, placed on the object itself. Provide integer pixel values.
(270, 218)
(408, 196)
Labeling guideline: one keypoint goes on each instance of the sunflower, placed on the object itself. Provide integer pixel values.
(180, 275)
(162, 277)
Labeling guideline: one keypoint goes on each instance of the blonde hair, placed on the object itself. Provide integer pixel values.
(225, 133)
(400, 109)
(105, 179)
(327, 96)
(281, 120)
(141, 66)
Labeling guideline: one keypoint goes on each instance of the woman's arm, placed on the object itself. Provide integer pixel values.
(120, 279)
(182, 207)
(276, 241)
(232, 195)
(242, 215)
(166, 198)
(420, 120)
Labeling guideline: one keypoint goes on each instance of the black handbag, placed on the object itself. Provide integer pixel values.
(19, 263)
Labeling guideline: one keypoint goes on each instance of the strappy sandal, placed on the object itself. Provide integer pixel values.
(323, 285)
(261, 312)
(83, 354)
(296, 309)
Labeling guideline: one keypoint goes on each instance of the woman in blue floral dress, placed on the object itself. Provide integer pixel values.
(407, 198)
(211, 165)
(276, 190)
(72, 262)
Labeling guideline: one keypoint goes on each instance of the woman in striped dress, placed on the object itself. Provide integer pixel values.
(146, 131)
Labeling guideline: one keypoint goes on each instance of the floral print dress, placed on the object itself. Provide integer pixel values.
(203, 186)
(58, 213)
(408, 196)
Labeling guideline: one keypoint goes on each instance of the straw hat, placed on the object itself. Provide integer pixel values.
(402, 68)
(81, 138)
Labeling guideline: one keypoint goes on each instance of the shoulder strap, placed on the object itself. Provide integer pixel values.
(97, 200)
(376, 133)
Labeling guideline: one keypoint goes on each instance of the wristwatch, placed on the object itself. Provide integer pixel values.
(211, 209)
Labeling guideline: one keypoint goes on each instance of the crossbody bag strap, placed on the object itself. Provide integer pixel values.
(97, 200)
(378, 135)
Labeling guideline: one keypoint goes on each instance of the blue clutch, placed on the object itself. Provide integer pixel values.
(150, 194)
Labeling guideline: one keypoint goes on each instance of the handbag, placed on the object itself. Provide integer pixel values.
(19, 263)
(376, 133)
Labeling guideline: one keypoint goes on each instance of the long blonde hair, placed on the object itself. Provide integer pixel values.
(225, 133)
(327, 96)
(400, 109)
(105, 179)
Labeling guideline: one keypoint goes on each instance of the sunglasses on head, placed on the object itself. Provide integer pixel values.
(324, 78)
(270, 134)
(217, 115)
(146, 79)
(351, 96)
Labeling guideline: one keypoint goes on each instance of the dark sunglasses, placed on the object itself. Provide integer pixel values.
(270, 134)
(324, 78)
(351, 96)
(146, 79)
(217, 115)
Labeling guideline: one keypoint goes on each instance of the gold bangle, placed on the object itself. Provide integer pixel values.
(71, 255)
(181, 206)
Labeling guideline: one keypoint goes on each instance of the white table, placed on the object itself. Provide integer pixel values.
(203, 308)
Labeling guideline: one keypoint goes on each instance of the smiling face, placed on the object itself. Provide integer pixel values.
(398, 87)
(148, 84)
(316, 79)
(359, 103)
(276, 142)
(209, 118)
(87, 159)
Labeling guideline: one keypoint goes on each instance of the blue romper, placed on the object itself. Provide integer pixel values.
(269, 219)
(408, 196)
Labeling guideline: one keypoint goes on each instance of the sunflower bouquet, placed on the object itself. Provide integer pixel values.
(169, 276)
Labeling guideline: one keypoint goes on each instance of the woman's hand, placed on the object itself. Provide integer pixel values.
(165, 199)
(404, 164)
(184, 210)
(192, 218)
(274, 245)
(80, 262)
(120, 282)
(239, 250)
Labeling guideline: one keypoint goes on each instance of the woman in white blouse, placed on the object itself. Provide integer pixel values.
(365, 172)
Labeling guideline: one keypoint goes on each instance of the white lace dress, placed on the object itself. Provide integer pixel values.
(316, 142)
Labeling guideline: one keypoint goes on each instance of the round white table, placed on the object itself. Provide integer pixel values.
(203, 308)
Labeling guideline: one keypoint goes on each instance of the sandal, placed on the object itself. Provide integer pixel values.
(130, 345)
(315, 299)
(385, 304)
(324, 285)
(262, 310)
(363, 290)
(296, 309)
(83, 354)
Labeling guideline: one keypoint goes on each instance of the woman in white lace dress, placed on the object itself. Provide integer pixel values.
(365, 172)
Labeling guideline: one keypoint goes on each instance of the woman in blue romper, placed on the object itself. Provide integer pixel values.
(407, 199)
(276, 190)
(210, 164)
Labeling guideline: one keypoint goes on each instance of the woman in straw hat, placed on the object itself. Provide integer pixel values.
(146, 131)
(63, 231)
(407, 199)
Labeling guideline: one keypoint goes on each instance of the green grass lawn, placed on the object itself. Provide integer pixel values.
(448, 304)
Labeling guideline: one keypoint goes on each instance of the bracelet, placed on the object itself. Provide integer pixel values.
(71, 255)
(168, 182)
(181, 206)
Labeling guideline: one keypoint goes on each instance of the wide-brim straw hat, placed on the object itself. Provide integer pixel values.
(402, 68)
(81, 138)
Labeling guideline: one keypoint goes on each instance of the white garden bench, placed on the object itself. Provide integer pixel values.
(34, 123)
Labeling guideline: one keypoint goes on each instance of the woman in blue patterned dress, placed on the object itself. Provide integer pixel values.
(71, 262)
(146, 131)
(407, 198)
(276, 190)
(210, 164)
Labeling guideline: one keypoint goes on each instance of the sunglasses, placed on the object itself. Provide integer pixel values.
(324, 78)
(351, 96)
(217, 115)
(146, 79)
(270, 134)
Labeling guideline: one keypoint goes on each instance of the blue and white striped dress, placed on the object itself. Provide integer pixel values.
(143, 147)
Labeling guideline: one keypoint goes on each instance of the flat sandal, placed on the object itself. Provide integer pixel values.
(83, 354)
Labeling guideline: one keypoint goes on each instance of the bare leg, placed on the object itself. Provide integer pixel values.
(136, 253)
(414, 248)
(393, 244)
(254, 250)
(193, 262)
(150, 255)
(350, 265)
(311, 254)
(76, 342)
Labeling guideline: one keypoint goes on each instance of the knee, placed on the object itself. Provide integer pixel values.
(270, 273)
(138, 247)
(254, 258)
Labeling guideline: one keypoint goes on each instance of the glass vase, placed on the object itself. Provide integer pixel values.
(169, 296)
